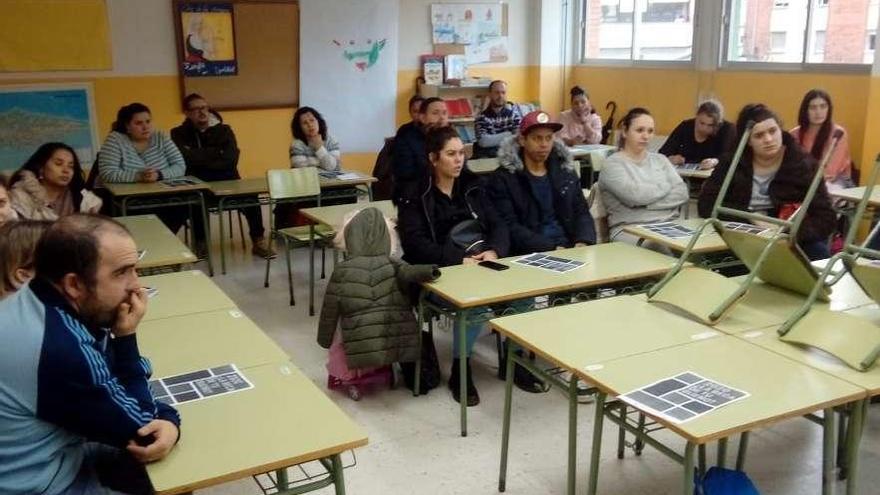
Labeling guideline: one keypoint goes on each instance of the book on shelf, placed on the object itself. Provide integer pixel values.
(456, 68)
(432, 69)
(465, 132)
(459, 108)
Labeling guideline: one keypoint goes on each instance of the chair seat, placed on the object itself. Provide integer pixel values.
(698, 292)
(853, 340)
(301, 233)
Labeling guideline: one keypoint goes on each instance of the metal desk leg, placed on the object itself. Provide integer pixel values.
(722, 453)
(370, 192)
(417, 379)
(828, 434)
(338, 479)
(854, 437)
(311, 269)
(572, 432)
(741, 454)
(598, 418)
(207, 231)
(222, 238)
(461, 324)
(505, 430)
(125, 206)
(688, 488)
(701, 460)
(621, 432)
(281, 477)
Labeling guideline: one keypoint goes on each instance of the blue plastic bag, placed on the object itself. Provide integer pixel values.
(720, 481)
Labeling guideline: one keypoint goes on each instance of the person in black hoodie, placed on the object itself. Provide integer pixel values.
(537, 192)
(211, 153)
(409, 162)
(772, 178)
(432, 208)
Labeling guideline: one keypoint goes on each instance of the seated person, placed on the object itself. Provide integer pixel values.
(639, 186)
(409, 161)
(7, 213)
(76, 412)
(18, 241)
(211, 153)
(429, 212)
(813, 133)
(415, 109)
(772, 178)
(497, 122)
(702, 139)
(134, 152)
(312, 146)
(536, 191)
(581, 124)
(51, 184)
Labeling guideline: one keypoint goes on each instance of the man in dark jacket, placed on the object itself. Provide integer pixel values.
(409, 160)
(211, 154)
(537, 192)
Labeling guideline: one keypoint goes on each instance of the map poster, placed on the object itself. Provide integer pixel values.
(208, 39)
(31, 115)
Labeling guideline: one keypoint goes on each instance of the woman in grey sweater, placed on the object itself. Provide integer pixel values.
(639, 186)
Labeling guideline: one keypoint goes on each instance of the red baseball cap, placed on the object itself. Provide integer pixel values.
(538, 118)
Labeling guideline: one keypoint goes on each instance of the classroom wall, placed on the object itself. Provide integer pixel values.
(673, 94)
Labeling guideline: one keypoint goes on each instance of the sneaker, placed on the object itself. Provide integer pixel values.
(262, 249)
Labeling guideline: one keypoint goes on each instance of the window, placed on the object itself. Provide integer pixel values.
(638, 30)
(800, 31)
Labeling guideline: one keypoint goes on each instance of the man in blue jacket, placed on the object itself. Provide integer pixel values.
(76, 412)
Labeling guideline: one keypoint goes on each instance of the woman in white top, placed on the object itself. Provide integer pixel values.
(638, 186)
(312, 146)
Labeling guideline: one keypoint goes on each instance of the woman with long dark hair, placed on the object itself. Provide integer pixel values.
(813, 133)
(51, 184)
(312, 145)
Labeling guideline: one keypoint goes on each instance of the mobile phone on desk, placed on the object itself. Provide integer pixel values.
(493, 265)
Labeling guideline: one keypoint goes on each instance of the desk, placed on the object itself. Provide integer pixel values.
(184, 343)
(332, 216)
(162, 247)
(242, 193)
(693, 174)
(616, 265)
(143, 195)
(794, 390)
(183, 293)
(590, 156)
(855, 194)
(709, 242)
(482, 165)
(283, 421)
(585, 334)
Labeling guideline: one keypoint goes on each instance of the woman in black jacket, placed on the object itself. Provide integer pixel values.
(430, 209)
(772, 178)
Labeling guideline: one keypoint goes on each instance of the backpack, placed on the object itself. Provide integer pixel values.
(720, 481)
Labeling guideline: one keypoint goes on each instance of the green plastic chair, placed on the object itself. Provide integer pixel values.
(295, 185)
(775, 257)
(853, 340)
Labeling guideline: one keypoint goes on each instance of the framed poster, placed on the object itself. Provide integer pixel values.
(207, 39)
(33, 114)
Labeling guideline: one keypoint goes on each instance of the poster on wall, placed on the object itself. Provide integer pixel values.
(465, 23)
(31, 115)
(208, 39)
(348, 70)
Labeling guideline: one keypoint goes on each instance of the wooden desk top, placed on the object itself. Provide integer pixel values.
(780, 388)
(163, 248)
(283, 421)
(482, 165)
(710, 241)
(153, 188)
(855, 194)
(183, 293)
(258, 185)
(203, 340)
(470, 286)
(333, 215)
(693, 174)
(584, 150)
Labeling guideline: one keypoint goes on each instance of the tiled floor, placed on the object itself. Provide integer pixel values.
(415, 447)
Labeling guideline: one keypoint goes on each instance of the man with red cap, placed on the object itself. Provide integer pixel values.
(537, 192)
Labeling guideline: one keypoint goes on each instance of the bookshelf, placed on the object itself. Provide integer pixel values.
(476, 95)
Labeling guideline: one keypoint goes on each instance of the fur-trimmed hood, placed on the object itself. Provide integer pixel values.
(509, 157)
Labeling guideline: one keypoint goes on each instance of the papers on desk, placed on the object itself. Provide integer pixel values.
(745, 227)
(548, 262)
(339, 175)
(182, 181)
(669, 229)
(683, 397)
(690, 166)
(201, 384)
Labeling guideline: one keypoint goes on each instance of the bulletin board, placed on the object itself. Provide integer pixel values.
(476, 50)
(266, 56)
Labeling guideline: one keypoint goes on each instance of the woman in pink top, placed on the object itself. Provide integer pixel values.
(814, 135)
(581, 124)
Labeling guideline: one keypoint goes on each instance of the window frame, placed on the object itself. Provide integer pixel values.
(630, 62)
(802, 66)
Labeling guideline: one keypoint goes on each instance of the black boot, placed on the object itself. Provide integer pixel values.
(522, 378)
(454, 382)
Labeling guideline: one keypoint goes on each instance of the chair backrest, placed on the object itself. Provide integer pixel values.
(93, 174)
(656, 142)
(293, 183)
(597, 211)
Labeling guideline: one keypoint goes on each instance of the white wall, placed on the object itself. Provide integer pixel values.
(415, 31)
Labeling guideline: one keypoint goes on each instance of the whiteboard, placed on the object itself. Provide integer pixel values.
(348, 68)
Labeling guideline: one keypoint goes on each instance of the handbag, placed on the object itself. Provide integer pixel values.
(468, 235)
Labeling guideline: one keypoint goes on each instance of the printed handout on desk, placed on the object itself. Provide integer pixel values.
(339, 175)
(548, 262)
(200, 384)
(683, 397)
(690, 166)
(744, 227)
(182, 181)
(669, 229)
